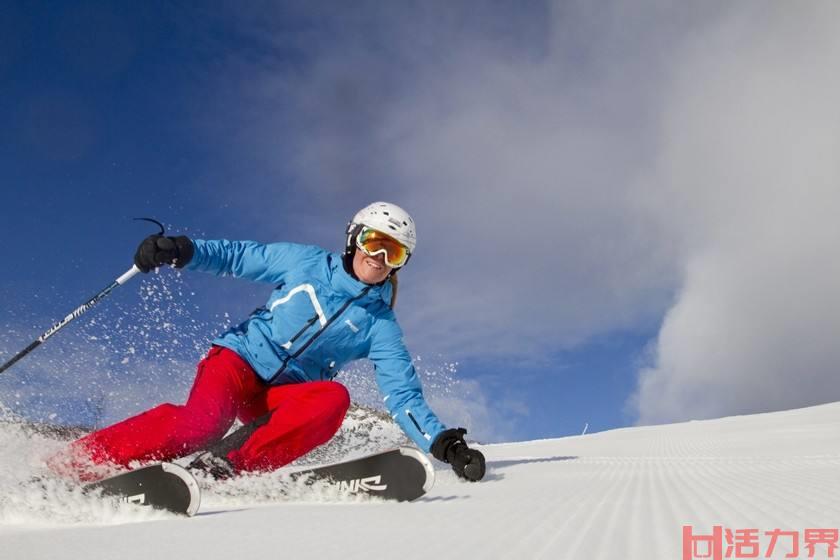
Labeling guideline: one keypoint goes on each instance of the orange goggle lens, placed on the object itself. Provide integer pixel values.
(373, 242)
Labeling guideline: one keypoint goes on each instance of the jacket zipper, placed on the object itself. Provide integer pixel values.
(308, 324)
(306, 344)
(416, 424)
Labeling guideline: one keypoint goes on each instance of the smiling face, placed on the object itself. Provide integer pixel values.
(370, 270)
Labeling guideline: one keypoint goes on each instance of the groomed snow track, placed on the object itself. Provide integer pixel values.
(625, 493)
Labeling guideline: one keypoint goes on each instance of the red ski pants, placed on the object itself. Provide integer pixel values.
(303, 416)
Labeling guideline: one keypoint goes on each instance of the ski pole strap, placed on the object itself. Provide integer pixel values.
(71, 316)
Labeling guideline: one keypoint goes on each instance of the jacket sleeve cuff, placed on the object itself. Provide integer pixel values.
(186, 249)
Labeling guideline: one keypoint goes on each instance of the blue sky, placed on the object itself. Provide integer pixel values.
(589, 249)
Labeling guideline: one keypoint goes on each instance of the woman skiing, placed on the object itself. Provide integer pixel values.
(274, 371)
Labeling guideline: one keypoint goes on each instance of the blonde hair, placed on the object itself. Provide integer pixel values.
(393, 280)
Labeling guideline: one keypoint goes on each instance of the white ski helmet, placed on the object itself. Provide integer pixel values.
(391, 219)
(387, 218)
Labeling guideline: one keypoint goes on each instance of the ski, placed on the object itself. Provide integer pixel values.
(162, 486)
(402, 474)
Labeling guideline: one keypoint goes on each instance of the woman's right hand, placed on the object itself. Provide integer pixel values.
(157, 250)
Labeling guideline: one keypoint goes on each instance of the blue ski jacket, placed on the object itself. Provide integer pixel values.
(317, 319)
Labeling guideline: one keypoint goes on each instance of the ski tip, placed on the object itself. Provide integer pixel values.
(427, 466)
(189, 480)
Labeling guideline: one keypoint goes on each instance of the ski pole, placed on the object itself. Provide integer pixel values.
(72, 315)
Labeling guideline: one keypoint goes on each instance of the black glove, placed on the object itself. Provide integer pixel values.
(451, 448)
(157, 250)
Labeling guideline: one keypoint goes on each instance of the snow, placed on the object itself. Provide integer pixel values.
(624, 493)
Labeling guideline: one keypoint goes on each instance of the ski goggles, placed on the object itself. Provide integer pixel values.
(373, 242)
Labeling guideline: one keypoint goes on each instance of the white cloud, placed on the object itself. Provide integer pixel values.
(748, 181)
